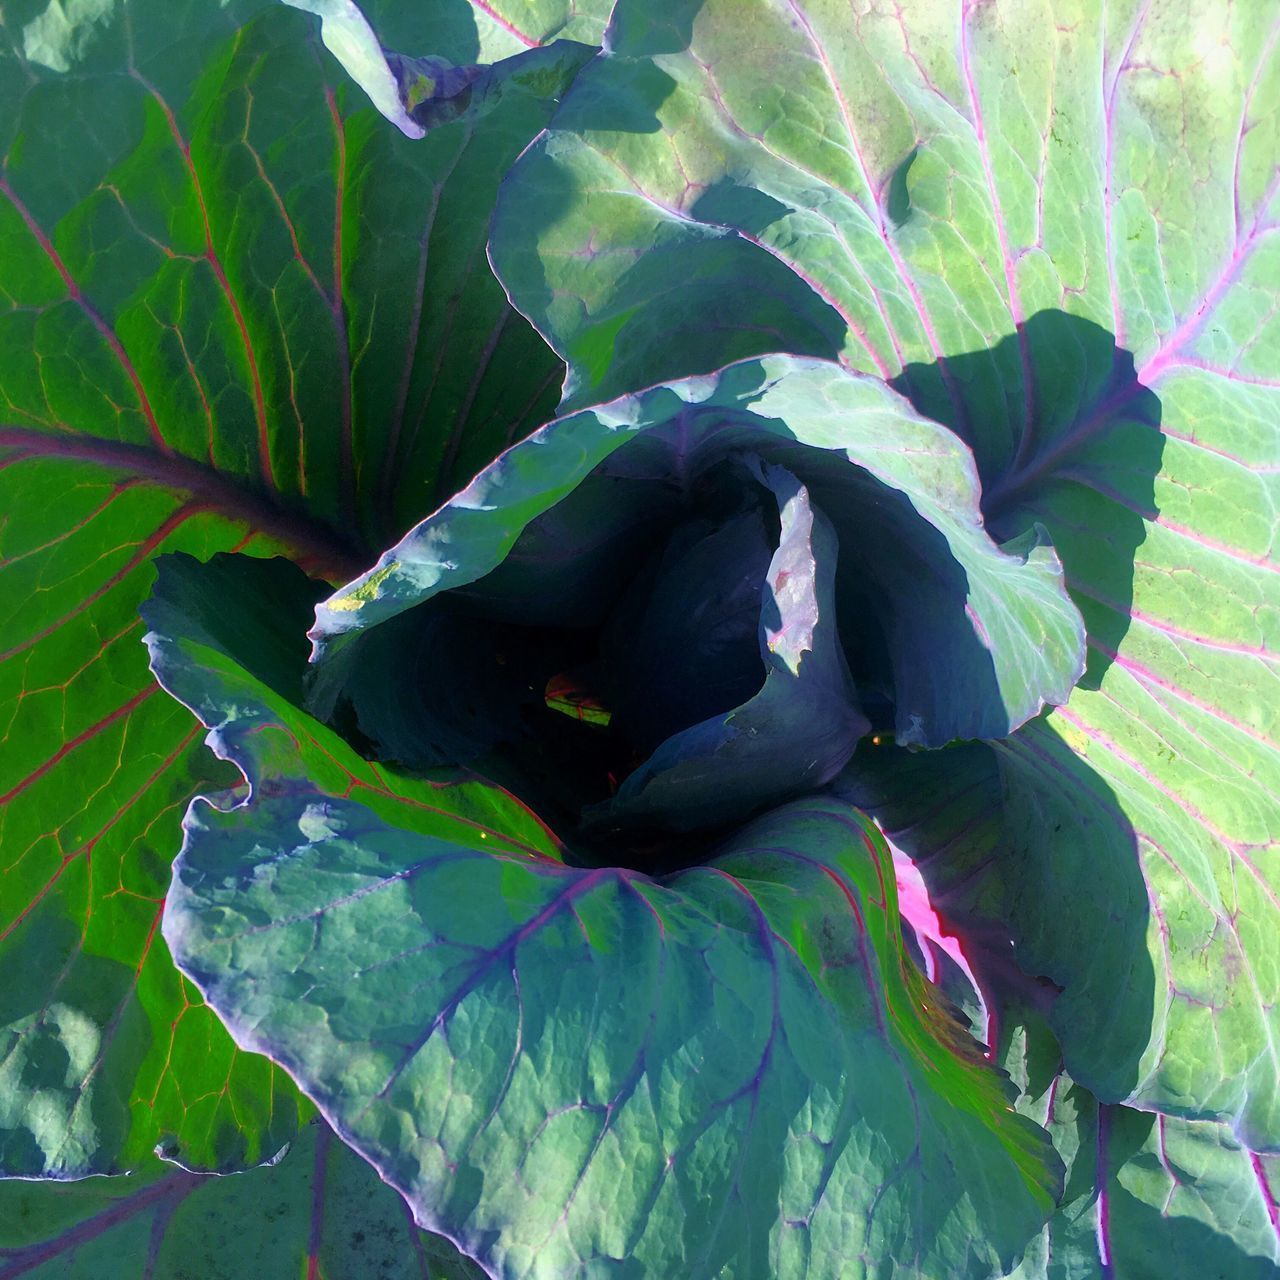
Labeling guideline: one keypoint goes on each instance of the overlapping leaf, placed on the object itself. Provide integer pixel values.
(320, 1211)
(1146, 1195)
(1054, 228)
(235, 312)
(979, 637)
(733, 1069)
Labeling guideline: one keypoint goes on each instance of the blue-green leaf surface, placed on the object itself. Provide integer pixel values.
(319, 1212)
(236, 311)
(734, 1071)
(1146, 1195)
(980, 638)
(1054, 228)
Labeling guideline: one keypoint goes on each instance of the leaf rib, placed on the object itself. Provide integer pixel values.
(95, 317)
(317, 546)
(265, 463)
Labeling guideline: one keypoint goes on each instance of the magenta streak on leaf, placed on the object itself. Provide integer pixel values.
(323, 1138)
(173, 1187)
(858, 330)
(1234, 375)
(346, 454)
(1172, 629)
(979, 627)
(926, 322)
(825, 294)
(1263, 60)
(95, 317)
(1237, 848)
(1101, 1176)
(1108, 150)
(259, 404)
(78, 741)
(319, 548)
(916, 908)
(1264, 1187)
(1027, 442)
(1188, 329)
(528, 41)
(1146, 676)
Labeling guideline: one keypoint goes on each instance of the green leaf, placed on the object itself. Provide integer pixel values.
(735, 1068)
(1146, 1194)
(236, 311)
(981, 637)
(534, 22)
(319, 1211)
(418, 92)
(1053, 228)
(349, 37)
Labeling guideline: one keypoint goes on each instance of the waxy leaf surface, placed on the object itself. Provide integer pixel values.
(1146, 1194)
(320, 1211)
(734, 1070)
(236, 311)
(980, 638)
(1053, 227)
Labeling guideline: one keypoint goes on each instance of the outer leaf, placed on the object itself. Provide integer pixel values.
(524, 1048)
(1054, 228)
(349, 37)
(1146, 1195)
(979, 639)
(416, 93)
(533, 22)
(232, 284)
(321, 1211)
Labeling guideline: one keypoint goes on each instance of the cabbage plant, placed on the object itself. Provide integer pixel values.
(639, 639)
